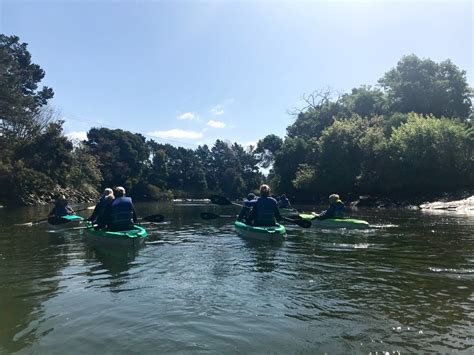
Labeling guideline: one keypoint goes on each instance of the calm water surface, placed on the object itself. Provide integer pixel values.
(406, 285)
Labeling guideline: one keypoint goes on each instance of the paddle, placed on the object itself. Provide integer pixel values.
(29, 224)
(210, 215)
(220, 200)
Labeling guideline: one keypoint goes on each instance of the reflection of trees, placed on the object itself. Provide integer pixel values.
(28, 274)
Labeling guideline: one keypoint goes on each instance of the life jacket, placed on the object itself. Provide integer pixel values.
(339, 209)
(265, 211)
(60, 211)
(121, 212)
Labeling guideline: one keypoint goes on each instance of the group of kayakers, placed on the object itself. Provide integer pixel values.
(114, 211)
(264, 210)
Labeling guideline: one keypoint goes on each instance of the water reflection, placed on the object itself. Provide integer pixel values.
(196, 285)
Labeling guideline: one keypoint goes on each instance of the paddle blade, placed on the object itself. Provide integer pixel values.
(220, 200)
(156, 218)
(27, 224)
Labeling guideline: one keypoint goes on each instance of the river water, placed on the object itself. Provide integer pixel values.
(406, 285)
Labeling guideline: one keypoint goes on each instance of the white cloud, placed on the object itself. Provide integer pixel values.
(187, 116)
(216, 124)
(81, 136)
(217, 110)
(176, 133)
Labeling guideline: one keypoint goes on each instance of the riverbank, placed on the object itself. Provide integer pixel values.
(41, 198)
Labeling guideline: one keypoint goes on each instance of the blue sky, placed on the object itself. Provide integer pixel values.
(190, 72)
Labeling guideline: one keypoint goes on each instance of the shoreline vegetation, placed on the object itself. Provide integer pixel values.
(406, 141)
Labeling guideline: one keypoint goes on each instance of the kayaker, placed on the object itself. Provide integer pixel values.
(120, 215)
(102, 204)
(283, 202)
(336, 208)
(103, 217)
(265, 210)
(61, 208)
(245, 211)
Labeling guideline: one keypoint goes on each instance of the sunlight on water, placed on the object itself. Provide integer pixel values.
(405, 286)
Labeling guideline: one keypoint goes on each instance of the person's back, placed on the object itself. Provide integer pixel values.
(265, 209)
(101, 205)
(336, 208)
(61, 208)
(121, 213)
(283, 202)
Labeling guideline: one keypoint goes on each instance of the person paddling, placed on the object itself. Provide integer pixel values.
(61, 208)
(336, 208)
(101, 205)
(246, 208)
(265, 210)
(120, 215)
(283, 202)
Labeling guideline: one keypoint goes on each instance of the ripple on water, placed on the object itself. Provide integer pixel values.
(197, 287)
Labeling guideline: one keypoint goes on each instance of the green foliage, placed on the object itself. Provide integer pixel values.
(266, 149)
(426, 87)
(20, 99)
(432, 155)
(85, 168)
(369, 140)
(365, 102)
(122, 155)
(48, 153)
(295, 151)
(305, 178)
(318, 115)
(340, 156)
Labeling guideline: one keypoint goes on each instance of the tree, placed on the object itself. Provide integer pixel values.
(266, 149)
(425, 87)
(122, 155)
(340, 156)
(319, 113)
(20, 98)
(293, 153)
(365, 101)
(431, 155)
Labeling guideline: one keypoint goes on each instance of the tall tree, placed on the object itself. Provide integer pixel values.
(20, 98)
(426, 87)
(122, 155)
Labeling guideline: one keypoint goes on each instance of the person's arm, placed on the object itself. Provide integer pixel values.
(327, 214)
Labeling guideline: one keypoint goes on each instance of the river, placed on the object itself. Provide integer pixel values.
(406, 285)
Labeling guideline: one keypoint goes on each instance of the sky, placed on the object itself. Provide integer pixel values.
(190, 72)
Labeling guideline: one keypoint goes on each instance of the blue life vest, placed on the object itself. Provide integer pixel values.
(121, 211)
(265, 208)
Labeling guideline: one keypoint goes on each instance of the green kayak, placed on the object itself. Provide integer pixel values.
(60, 221)
(134, 237)
(349, 223)
(273, 233)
